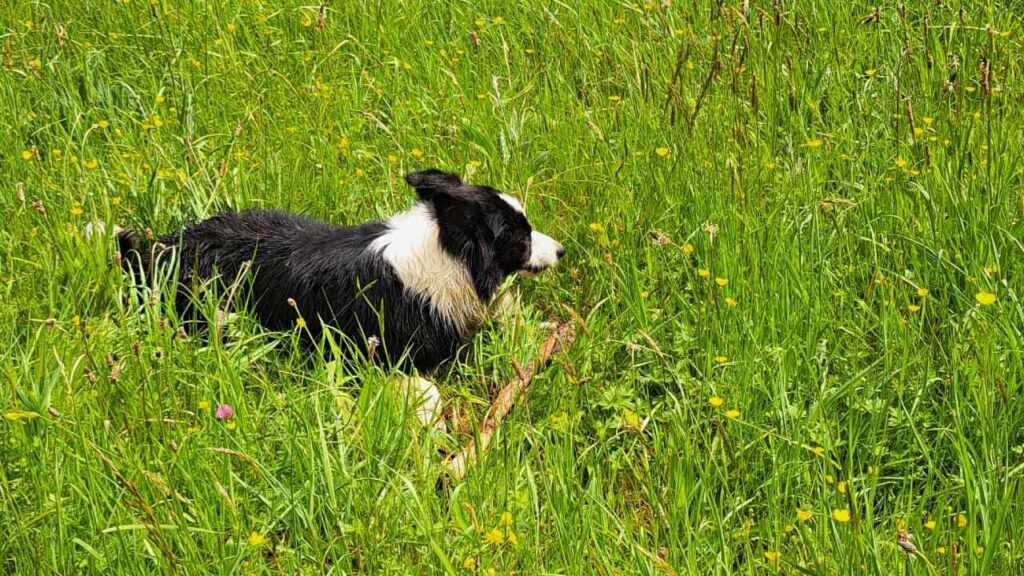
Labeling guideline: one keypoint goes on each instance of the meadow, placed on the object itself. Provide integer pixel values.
(795, 258)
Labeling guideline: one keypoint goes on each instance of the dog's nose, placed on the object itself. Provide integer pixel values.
(560, 251)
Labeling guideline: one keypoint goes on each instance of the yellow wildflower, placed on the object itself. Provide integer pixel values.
(703, 272)
(930, 524)
(922, 292)
(961, 521)
(731, 302)
(841, 515)
(721, 281)
(804, 515)
(494, 536)
(985, 298)
(732, 414)
(814, 143)
(912, 308)
(417, 153)
(662, 151)
(506, 518)
(256, 539)
(716, 401)
(26, 154)
(687, 249)
(469, 564)
(772, 556)
(721, 359)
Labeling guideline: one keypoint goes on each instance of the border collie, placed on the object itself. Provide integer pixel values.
(419, 284)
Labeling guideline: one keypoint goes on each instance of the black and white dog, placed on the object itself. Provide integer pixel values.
(419, 284)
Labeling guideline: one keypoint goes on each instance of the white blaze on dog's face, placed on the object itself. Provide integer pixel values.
(544, 252)
(458, 244)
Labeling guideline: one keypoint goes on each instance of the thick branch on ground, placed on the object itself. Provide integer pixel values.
(560, 337)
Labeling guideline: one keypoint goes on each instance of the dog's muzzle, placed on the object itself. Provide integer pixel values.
(545, 253)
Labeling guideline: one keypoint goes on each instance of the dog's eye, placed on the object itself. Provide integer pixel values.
(524, 248)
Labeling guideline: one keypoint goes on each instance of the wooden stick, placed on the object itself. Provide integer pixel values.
(560, 337)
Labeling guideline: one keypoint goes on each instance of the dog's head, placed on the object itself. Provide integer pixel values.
(485, 229)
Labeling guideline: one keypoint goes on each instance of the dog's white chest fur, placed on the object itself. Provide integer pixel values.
(413, 248)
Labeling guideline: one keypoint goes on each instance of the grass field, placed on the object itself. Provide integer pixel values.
(795, 256)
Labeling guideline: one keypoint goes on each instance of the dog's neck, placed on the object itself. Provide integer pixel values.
(412, 246)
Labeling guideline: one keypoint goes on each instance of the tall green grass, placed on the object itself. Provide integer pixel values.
(786, 223)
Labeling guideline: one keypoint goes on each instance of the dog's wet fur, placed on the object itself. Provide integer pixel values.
(419, 283)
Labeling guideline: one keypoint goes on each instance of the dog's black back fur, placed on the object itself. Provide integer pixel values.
(327, 271)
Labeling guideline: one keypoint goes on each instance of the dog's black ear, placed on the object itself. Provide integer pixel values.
(432, 182)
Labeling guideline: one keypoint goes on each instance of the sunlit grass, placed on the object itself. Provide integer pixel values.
(795, 255)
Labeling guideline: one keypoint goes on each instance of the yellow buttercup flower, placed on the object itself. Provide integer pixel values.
(985, 298)
(922, 292)
(721, 281)
(732, 414)
(930, 524)
(721, 359)
(772, 556)
(912, 308)
(716, 401)
(961, 521)
(662, 151)
(841, 515)
(256, 539)
(26, 154)
(417, 153)
(703, 272)
(469, 564)
(804, 515)
(494, 536)
(814, 143)
(731, 302)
